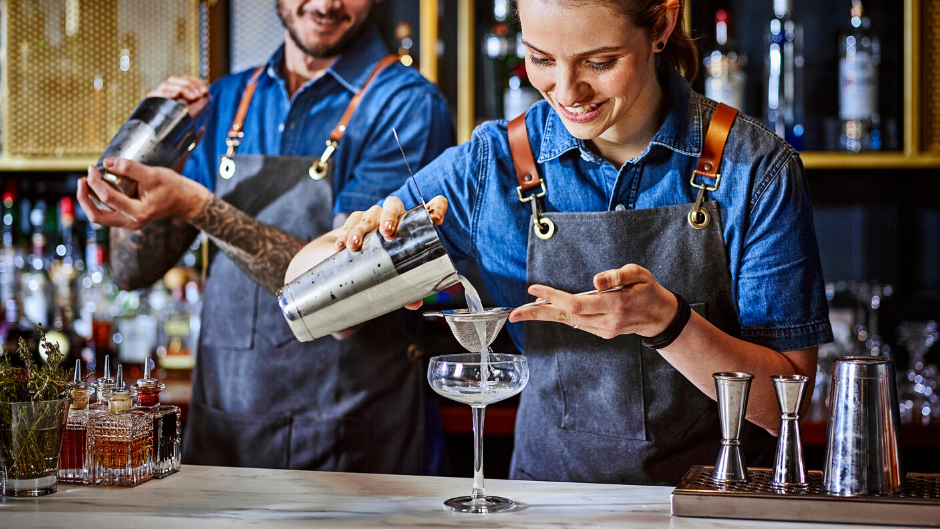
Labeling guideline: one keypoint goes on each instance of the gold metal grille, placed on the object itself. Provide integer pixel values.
(930, 66)
(73, 70)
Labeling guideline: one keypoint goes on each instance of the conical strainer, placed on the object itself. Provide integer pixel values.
(464, 324)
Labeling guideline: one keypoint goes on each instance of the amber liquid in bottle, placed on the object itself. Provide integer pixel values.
(165, 422)
(72, 468)
(120, 443)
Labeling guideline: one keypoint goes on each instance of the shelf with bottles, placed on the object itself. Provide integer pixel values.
(859, 68)
(473, 31)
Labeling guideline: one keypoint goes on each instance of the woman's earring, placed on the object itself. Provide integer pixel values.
(660, 46)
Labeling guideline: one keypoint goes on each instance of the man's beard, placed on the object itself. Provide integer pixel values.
(321, 51)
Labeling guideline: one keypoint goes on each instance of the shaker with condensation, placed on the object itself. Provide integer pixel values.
(350, 288)
(159, 133)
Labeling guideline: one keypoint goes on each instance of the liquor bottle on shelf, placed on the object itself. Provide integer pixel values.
(507, 90)
(166, 424)
(12, 262)
(96, 293)
(860, 55)
(72, 467)
(136, 326)
(725, 79)
(120, 442)
(783, 75)
(35, 285)
(180, 322)
(103, 385)
(63, 271)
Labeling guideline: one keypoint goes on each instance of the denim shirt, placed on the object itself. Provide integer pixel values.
(767, 221)
(367, 164)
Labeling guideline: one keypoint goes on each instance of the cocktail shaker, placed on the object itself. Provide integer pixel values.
(160, 132)
(863, 448)
(349, 288)
(732, 389)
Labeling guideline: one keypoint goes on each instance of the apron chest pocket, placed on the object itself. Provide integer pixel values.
(602, 393)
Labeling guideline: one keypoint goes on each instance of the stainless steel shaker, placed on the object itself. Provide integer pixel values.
(789, 471)
(350, 288)
(863, 448)
(732, 389)
(160, 132)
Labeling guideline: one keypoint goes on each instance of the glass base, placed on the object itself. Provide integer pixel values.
(484, 505)
(29, 487)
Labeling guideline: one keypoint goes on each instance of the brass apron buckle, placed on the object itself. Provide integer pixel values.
(544, 227)
(319, 169)
(698, 216)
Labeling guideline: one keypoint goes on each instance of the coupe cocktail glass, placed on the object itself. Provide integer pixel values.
(478, 379)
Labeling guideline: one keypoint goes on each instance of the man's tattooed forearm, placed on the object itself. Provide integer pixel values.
(140, 258)
(260, 250)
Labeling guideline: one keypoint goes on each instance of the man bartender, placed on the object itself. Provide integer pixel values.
(352, 402)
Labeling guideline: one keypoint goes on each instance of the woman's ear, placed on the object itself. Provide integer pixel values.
(668, 24)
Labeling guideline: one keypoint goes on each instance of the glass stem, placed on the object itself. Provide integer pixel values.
(479, 491)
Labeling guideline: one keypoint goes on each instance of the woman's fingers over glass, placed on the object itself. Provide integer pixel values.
(392, 210)
(343, 232)
(368, 222)
(437, 208)
(627, 275)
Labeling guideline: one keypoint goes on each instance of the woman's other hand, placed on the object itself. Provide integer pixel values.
(642, 306)
(385, 218)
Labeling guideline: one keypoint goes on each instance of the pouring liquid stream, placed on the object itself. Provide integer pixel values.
(475, 306)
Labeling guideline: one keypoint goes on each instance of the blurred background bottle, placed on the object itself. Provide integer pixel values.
(725, 79)
(859, 58)
(783, 75)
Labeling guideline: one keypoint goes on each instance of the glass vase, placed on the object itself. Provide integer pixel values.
(31, 436)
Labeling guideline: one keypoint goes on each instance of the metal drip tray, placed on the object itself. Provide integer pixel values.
(700, 495)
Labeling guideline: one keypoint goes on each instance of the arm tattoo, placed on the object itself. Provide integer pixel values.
(260, 250)
(140, 258)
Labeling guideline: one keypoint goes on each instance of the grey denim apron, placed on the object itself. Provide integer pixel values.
(263, 399)
(614, 411)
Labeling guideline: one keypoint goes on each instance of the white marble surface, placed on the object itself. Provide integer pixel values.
(224, 497)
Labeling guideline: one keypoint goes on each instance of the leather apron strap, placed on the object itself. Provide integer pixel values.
(318, 169)
(528, 176)
(709, 161)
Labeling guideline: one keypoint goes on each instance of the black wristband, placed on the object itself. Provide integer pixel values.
(674, 329)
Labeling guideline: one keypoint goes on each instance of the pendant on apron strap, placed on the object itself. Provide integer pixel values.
(544, 227)
(319, 169)
(227, 164)
(698, 217)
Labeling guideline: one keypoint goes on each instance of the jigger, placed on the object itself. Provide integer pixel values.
(789, 471)
(732, 389)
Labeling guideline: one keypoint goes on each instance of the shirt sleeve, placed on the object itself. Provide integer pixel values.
(425, 130)
(781, 295)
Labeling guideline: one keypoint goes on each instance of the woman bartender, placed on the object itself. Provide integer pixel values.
(621, 387)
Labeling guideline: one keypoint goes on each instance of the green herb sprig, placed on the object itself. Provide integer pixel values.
(34, 382)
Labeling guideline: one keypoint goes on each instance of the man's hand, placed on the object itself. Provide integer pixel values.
(190, 91)
(161, 192)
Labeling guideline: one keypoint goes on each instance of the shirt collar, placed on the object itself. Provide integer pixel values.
(681, 131)
(351, 69)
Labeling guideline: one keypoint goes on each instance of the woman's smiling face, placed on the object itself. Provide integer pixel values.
(591, 63)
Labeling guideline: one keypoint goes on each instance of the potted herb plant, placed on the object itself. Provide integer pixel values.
(34, 405)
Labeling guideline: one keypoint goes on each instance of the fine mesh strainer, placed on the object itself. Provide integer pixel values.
(463, 324)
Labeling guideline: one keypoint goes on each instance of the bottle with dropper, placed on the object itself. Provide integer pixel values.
(119, 443)
(103, 384)
(72, 468)
(166, 424)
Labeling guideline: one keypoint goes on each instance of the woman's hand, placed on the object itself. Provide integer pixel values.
(385, 218)
(190, 91)
(642, 307)
(161, 193)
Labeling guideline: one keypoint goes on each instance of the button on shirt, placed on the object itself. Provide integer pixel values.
(367, 165)
(764, 203)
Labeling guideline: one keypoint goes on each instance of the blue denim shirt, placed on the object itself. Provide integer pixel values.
(368, 165)
(764, 202)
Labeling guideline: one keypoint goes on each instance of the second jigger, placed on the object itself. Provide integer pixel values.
(732, 389)
(789, 472)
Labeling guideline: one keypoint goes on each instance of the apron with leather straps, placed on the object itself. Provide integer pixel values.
(260, 397)
(614, 411)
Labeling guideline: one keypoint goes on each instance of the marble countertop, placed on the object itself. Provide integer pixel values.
(200, 496)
